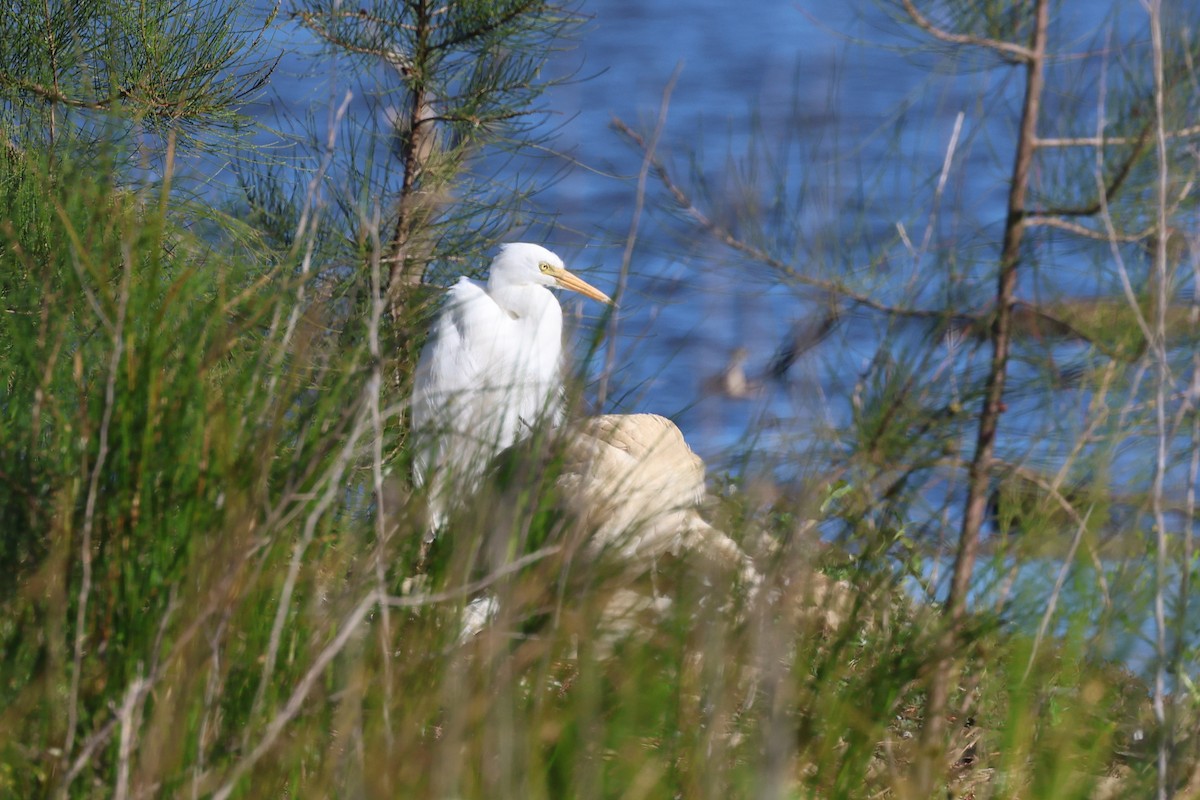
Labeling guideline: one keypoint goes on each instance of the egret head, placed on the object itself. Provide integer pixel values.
(524, 264)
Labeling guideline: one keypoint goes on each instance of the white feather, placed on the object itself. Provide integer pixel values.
(490, 371)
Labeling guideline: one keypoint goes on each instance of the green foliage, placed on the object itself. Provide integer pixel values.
(212, 586)
(460, 83)
(80, 70)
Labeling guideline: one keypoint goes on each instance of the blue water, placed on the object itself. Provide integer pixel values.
(744, 70)
(836, 99)
(839, 128)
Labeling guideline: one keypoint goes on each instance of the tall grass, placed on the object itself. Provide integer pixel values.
(210, 578)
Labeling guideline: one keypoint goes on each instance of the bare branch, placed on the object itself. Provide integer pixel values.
(947, 162)
(348, 628)
(383, 529)
(467, 589)
(945, 669)
(1060, 580)
(1112, 141)
(1012, 52)
(89, 514)
(130, 708)
(639, 202)
(1106, 191)
(717, 231)
(1158, 345)
(333, 485)
(1039, 221)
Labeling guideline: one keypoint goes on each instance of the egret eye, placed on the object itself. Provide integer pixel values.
(545, 268)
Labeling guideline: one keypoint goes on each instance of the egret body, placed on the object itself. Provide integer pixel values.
(490, 371)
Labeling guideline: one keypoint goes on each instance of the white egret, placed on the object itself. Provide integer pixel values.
(490, 371)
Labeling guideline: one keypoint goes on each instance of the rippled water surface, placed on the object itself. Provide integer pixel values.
(851, 128)
(854, 128)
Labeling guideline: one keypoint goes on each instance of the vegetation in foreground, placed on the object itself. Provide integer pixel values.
(211, 568)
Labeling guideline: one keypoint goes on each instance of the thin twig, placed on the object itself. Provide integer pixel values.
(348, 628)
(100, 737)
(726, 237)
(212, 686)
(1059, 582)
(306, 235)
(1040, 221)
(129, 709)
(382, 528)
(467, 589)
(947, 162)
(1007, 49)
(1109, 226)
(1158, 346)
(943, 676)
(1113, 141)
(333, 485)
(639, 203)
(89, 514)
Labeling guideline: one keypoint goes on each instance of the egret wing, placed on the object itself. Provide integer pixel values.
(454, 379)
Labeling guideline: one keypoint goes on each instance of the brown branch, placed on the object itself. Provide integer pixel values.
(403, 272)
(488, 27)
(420, 121)
(639, 203)
(467, 589)
(945, 670)
(1002, 328)
(1014, 52)
(53, 95)
(1112, 141)
(1111, 189)
(726, 237)
(1040, 221)
(309, 18)
(347, 629)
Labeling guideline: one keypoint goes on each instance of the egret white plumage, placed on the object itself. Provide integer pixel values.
(490, 371)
